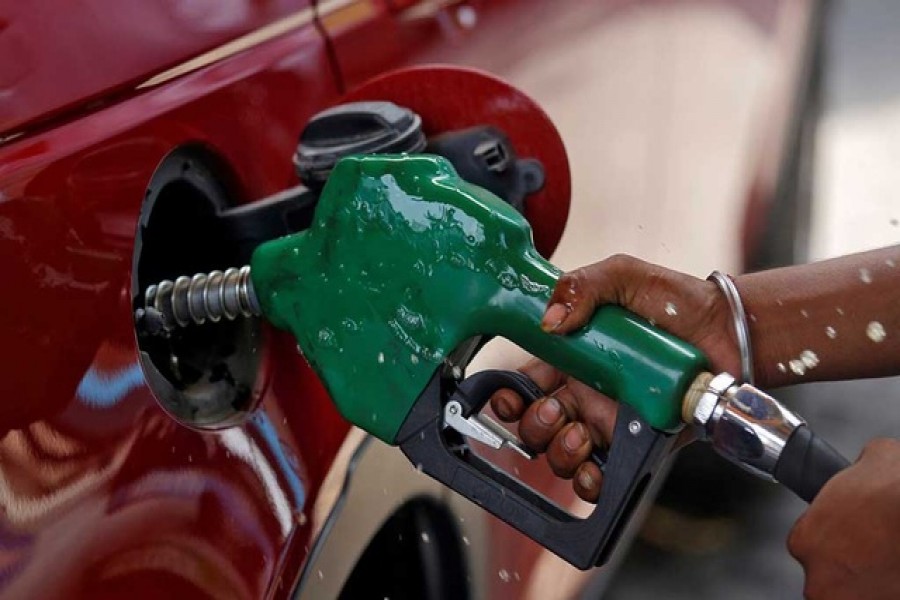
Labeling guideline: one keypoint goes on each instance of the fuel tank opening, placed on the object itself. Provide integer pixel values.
(203, 376)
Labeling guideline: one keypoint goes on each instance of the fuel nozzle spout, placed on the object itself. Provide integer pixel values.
(195, 300)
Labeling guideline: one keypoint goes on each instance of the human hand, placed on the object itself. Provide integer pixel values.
(573, 417)
(847, 538)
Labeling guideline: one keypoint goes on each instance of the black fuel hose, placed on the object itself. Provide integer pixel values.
(807, 463)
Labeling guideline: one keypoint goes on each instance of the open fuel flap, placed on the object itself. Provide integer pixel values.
(201, 346)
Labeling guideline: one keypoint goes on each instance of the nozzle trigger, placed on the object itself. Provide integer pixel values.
(483, 429)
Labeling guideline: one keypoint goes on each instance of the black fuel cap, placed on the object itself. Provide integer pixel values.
(355, 128)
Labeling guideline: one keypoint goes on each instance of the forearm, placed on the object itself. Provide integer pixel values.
(841, 315)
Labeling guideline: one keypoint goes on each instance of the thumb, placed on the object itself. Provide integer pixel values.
(615, 280)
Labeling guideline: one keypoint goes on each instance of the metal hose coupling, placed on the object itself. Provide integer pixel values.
(744, 424)
(195, 300)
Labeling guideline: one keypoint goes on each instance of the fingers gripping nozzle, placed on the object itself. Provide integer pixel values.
(195, 300)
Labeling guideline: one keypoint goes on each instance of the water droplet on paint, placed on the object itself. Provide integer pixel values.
(875, 331)
(797, 367)
(381, 358)
(504, 575)
(782, 368)
(865, 276)
(840, 311)
(804, 313)
(671, 309)
(466, 541)
(425, 537)
(414, 359)
(830, 332)
(320, 574)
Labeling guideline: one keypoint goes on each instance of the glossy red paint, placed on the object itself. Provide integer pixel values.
(369, 35)
(436, 94)
(103, 494)
(117, 44)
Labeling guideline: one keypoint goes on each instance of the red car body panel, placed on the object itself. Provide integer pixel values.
(103, 492)
(116, 45)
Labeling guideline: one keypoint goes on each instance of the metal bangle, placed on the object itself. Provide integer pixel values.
(739, 317)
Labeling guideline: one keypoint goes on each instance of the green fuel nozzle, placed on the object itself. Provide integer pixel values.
(405, 261)
(405, 271)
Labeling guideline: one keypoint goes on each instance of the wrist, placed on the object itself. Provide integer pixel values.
(720, 342)
(765, 367)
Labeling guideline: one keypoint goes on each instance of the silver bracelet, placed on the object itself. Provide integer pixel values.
(739, 317)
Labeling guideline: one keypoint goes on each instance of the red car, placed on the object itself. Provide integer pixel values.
(216, 466)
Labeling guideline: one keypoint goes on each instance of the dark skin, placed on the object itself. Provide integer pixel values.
(845, 310)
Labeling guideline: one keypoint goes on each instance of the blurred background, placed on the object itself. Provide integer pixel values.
(718, 135)
(854, 205)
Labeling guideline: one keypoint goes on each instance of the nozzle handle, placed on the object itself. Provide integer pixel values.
(617, 352)
(635, 456)
(807, 463)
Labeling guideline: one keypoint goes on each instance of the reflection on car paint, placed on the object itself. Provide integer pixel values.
(102, 390)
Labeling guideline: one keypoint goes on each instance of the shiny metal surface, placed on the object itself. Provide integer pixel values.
(709, 400)
(483, 429)
(744, 424)
(739, 317)
(203, 297)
